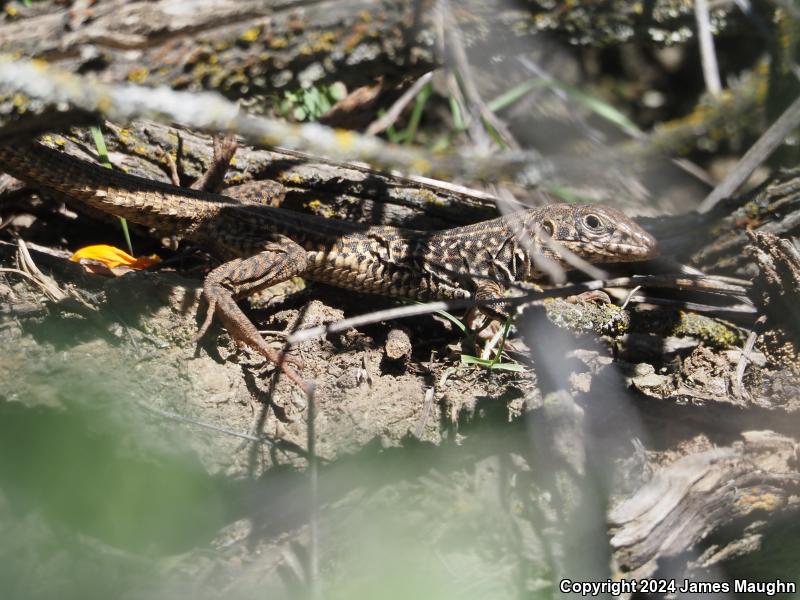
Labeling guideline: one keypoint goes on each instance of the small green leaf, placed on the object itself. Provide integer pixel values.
(468, 359)
(299, 113)
(324, 105)
(337, 91)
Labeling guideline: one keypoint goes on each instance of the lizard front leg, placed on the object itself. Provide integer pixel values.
(489, 289)
(486, 289)
(240, 277)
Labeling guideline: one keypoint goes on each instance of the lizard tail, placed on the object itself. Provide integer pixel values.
(164, 207)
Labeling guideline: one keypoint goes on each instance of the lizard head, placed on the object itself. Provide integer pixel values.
(596, 233)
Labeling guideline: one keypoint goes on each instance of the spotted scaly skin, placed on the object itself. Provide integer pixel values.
(264, 245)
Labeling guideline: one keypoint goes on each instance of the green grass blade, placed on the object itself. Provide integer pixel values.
(597, 106)
(102, 150)
(468, 359)
(454, 320)
(508, 98)
(419, 105)
(458, 118)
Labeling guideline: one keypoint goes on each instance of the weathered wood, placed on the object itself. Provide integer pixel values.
(330, 189)
(249, 48)
(748, 485)
(773, 208)
(252, 48)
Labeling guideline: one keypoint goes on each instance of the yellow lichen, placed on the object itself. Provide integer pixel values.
(345, 138)
(420, 165)
(250, 35)
(766, 501)
(138, 75)
(430, 197)
(323, 42)
(293, 178)
(104, 103)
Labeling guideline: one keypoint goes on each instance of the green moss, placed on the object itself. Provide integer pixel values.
(712, 331)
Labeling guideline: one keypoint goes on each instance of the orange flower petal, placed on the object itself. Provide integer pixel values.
(113, 257)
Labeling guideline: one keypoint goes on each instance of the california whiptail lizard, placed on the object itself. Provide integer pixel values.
(263, 245)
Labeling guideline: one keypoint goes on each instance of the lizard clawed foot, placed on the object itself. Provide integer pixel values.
(242, 331)
(281, 259)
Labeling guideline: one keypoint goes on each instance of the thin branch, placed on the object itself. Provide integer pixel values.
(745, 356)
(176, 417)
(699, 283)
(313, 495)
(390, 116)
(708, 55)
(758, 153)
(416, 180)
(213, 113)
(477, 107)
(48, 284)
(426, 411)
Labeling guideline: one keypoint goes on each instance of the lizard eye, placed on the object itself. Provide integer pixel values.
(592, 221)
(548, 227)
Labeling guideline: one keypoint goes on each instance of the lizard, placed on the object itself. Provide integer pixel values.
(261, 245)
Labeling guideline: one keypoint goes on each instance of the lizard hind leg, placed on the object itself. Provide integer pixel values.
(241, 277)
